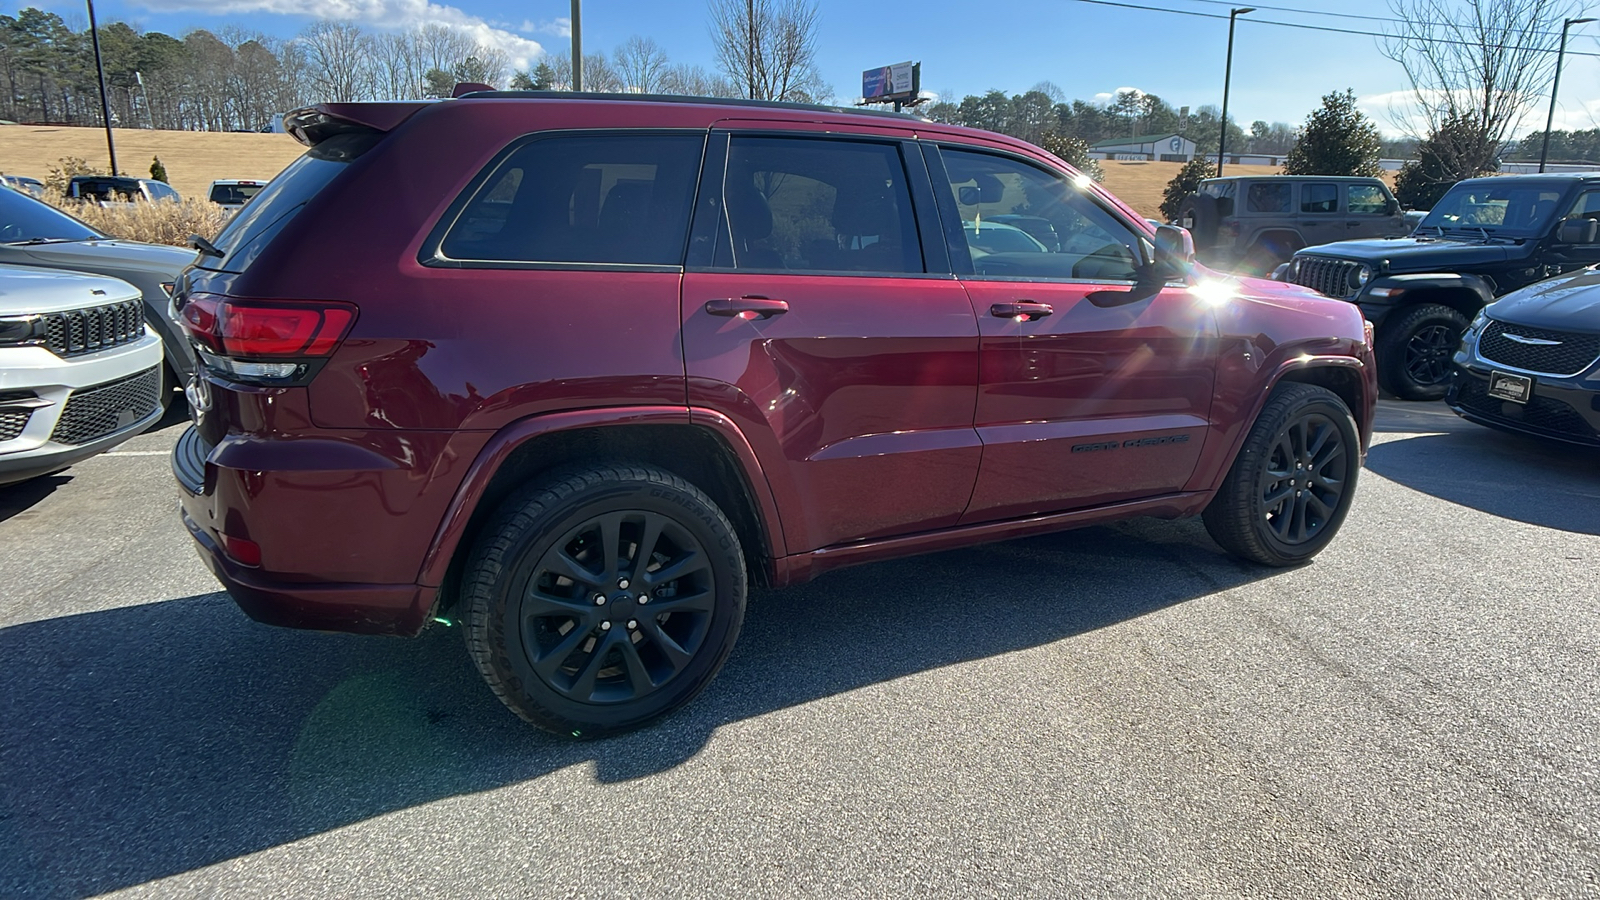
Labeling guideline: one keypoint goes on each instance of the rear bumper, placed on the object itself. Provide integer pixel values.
(289, 601)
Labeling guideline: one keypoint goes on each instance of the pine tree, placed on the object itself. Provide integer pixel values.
(544, 77)
(158, 171)
(1337, 139)
(1185, 183)
(1454, 152)
(1074, 152)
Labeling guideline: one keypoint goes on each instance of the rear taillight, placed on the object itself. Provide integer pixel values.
(269, 342)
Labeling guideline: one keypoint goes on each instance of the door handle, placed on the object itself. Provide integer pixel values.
(1021, 310)
(748, 307)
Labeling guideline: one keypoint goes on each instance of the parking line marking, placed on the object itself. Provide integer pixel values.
(138, 453)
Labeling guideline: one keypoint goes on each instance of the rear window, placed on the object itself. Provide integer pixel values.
(618, 199)
(1268, 197)
(234, 193)
(249, 233)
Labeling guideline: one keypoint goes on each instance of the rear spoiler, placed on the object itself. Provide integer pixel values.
(314, 124)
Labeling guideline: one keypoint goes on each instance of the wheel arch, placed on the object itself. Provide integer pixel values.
(1341, 377)
(710, 454)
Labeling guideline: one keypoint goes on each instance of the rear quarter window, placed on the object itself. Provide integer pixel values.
(251, 231)
(618, 199)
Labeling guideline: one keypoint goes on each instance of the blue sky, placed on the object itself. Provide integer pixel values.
(965, 47)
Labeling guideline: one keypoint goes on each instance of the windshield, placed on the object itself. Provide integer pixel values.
(1509, 210)
(234, 193)
(23, 218)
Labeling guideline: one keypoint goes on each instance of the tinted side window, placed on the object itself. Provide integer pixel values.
(1586, 206)
(614, 198)
(1268, 197)
(1005, 202)
(1319, 198)
(817, 205)
(1367, 200)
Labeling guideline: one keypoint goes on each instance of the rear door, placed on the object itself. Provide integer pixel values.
(1319, 220)
(1084, 397)
(812, 318)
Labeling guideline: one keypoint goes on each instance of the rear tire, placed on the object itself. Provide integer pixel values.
(1414, 350)
(1291, 485)
(666, 563)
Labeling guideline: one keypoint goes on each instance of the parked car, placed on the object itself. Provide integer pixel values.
(79, 371)
(30, 186)
(1040, 228)
(33, 233)
(1530, 361)
(234, 193)
(988, 236)
(713, 343)
(109, 189)
(1253, 223)
(1484, 238)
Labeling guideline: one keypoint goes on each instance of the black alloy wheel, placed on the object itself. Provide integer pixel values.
(1303, 483)
(1291, 485)
(1414, 350)
(618, 607)
(1428, 354)
(601, 598)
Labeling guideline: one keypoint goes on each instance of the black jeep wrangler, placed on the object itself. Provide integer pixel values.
(1486, 237)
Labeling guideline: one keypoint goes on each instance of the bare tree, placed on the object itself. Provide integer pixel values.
(338, 56)
(1475, 64)
(485, 65)
(769, 47)
(694, 81)
(641, 65)
(397, 66)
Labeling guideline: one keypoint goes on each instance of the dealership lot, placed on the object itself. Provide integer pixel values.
(1115, 711)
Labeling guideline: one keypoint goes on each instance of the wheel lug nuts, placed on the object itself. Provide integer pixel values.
(605, 626)
(632, 624)
(622, 584)
(643, 599)
(599, 599)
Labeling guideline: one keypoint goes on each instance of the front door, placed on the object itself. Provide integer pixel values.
(816, 326)
(1369, 215)
(1084, 398)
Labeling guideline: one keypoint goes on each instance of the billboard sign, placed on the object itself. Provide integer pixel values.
(896, 82)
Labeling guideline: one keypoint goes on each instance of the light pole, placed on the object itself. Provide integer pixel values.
(1550, 119)
(105, 105)
(577, 45)
(1227, 82)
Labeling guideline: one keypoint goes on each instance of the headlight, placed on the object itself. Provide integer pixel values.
(168, 286)
(1294, 266)
(1476, 325)
(1360, 277)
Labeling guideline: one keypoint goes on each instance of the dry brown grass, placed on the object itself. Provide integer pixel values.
(153, 223)
(193, 159)
(1140, 184)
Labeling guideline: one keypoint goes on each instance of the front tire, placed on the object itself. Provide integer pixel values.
(1414, 351)
(601, 599)
(1291, 485)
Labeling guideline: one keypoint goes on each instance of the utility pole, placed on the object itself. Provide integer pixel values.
(577, 45)
(1550, 119)
(1227, 82)
(750, 46)
(100, 69)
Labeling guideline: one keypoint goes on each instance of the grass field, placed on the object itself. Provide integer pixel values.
(196, 158)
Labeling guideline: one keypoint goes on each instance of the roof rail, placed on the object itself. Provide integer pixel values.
(683, 98)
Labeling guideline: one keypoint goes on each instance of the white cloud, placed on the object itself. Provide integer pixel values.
(1395, 113)
(1112, 96)
(561, 28)
(385, 14)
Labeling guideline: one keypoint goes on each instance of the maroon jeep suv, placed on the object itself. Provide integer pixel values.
(576, 370)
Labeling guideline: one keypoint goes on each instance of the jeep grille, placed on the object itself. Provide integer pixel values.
(82, 331)
(1325, 276)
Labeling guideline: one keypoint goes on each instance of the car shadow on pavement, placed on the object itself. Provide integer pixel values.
(18, 498)
(145, 741)
(1543, 483)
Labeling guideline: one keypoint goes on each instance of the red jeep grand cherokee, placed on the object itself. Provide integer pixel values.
(575, 370)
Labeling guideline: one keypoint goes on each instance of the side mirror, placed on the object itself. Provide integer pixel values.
(1391, 207)
(1174, 249)
(1578, 231)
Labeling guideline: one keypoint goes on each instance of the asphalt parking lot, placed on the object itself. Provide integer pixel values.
(1112, 712)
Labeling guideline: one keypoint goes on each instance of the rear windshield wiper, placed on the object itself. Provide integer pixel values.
(205, 247)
